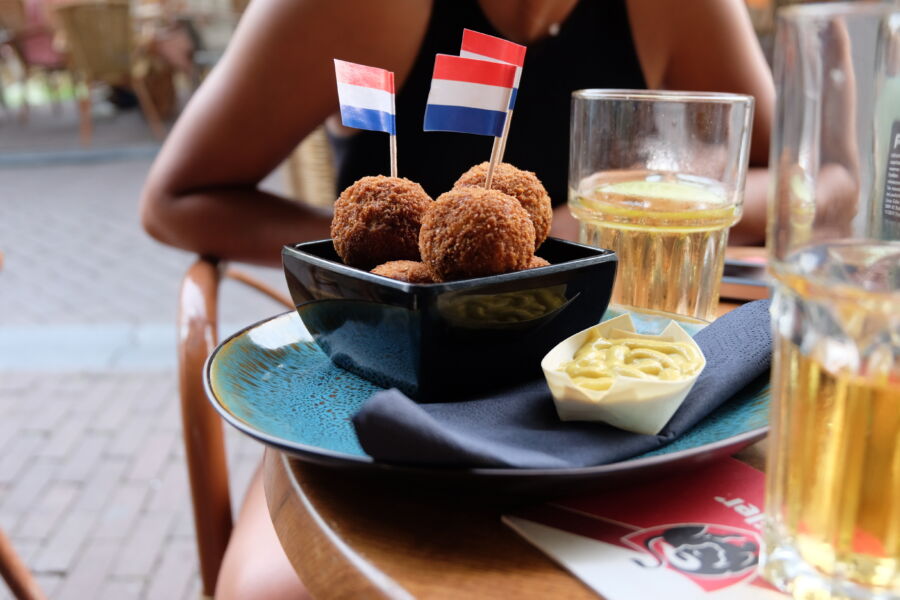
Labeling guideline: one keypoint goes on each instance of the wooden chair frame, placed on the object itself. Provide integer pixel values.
(14, 22)
(311, 174)
(203, 436)
(17, 576)
(80, 21)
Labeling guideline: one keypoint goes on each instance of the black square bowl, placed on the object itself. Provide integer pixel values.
(445, 341)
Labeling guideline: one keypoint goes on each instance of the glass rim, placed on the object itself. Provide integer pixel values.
(837, 9)
(661, 96)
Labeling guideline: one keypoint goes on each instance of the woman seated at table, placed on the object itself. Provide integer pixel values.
(276, 84)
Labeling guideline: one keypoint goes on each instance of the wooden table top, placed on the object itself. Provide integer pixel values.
(353, 538)
(358, 538)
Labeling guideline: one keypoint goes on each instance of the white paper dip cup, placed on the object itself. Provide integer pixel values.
(632, 404)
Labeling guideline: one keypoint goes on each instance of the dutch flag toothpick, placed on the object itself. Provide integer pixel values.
(468, 95)
(481, 46)
(488, 47)
(366, 95)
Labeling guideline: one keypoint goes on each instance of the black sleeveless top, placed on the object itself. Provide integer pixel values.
(593, 49)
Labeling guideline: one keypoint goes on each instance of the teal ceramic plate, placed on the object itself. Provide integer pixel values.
(272, 382)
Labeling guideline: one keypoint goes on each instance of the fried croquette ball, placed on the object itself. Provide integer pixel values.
(536, 261)
(377, 219)
(524, 186)
(410, 271)
(473, 232)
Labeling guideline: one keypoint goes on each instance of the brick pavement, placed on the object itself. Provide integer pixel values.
(93, 487)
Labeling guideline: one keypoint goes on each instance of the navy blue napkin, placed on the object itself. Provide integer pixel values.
(519, 427)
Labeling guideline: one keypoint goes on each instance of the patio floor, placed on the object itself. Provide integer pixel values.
(93, 487)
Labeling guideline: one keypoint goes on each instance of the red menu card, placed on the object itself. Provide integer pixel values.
(689, 536)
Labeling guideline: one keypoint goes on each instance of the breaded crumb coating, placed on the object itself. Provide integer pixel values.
(474, 232)
(410, 271)
(537, 261)
(524, 186)
(377, 219)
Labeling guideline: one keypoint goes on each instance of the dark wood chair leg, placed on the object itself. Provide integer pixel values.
(50, 80)
(24, 108)
(85, 128)
(16, 574)
(154, 121)
(3, 103)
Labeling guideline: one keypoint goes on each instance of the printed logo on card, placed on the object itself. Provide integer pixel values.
(712, 556)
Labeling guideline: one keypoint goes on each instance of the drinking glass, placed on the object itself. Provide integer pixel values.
(659, 178)
(833, 473)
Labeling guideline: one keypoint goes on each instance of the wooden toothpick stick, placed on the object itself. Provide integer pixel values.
(498, 147)
(393, 155)
(495, 152)
(504, 135)
(393, 136)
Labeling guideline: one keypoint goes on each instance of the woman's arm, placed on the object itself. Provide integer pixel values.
(274, 85)
(709, 45)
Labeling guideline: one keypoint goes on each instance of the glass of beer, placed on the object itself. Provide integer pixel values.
(659, 178)
(833, 472)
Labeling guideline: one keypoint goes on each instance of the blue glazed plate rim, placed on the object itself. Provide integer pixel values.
(327, 457)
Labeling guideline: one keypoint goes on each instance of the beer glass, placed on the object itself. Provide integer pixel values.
(833, 473)
(659, 178)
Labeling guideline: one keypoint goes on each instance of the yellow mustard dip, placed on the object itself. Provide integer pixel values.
(601, 359)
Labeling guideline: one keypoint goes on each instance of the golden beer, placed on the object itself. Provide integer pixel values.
(833, 478)
(670, 232)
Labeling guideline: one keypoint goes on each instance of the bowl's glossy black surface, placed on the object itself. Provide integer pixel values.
(434, 340)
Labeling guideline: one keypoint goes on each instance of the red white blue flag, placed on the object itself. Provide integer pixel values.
(481, 46)
(468, 95)
(366, 95)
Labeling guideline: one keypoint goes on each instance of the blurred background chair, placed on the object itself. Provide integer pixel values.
(12, 16)
(100, 43)
(311, 179)
(29, 35)
(310, 171)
